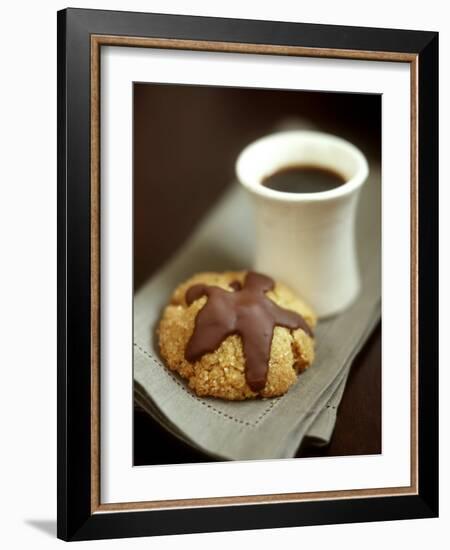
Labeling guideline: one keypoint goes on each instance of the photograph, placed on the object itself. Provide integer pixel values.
(223, 275)
(257, 273)
(247, 300)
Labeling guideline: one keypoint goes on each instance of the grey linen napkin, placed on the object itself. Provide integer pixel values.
(265, 428)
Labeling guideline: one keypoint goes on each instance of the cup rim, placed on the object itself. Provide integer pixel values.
(345, 189)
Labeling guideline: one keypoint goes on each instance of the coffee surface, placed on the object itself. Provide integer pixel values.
(303, 179)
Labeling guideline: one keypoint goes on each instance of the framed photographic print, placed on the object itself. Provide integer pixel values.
(240, 204)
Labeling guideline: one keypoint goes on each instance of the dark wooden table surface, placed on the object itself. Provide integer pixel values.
(186, 139)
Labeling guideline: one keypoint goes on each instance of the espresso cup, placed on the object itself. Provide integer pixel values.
(307, 240)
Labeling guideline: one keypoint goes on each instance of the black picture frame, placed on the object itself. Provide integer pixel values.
(76, 518)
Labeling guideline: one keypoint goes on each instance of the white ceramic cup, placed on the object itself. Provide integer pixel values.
(307, 240)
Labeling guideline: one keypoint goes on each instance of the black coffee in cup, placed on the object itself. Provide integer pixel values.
(303, 179)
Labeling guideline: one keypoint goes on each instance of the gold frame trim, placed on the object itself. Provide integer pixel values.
(110, 40)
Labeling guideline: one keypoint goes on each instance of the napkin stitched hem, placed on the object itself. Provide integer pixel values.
(204, 403)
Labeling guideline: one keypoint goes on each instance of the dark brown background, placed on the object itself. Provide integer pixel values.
(186, 140)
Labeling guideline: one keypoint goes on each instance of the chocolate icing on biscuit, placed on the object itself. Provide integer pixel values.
(247, 312)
